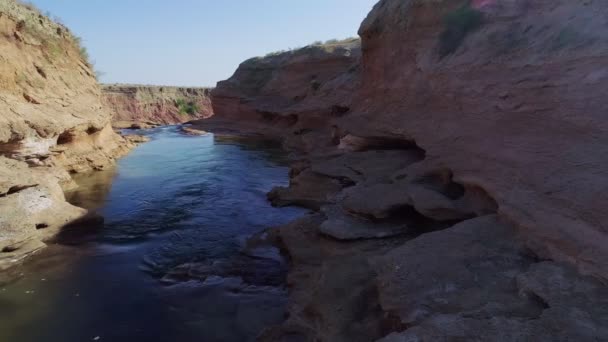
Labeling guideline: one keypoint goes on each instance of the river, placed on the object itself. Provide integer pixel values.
(175, 200)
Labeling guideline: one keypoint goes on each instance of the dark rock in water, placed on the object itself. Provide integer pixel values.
(252, 270)
(259, 264)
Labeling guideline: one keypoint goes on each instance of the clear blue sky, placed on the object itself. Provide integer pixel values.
(198, 42)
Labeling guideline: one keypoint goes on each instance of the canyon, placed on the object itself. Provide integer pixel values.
(141, 106)
(452, 161)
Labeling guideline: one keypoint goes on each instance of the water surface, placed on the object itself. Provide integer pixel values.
(175, 200)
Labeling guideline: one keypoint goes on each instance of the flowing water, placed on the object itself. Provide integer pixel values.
(175, 200)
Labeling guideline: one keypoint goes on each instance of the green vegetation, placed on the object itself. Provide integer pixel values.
(84, 53)
(458, 24)
(186, 107)
(30, 5)
(52, 37)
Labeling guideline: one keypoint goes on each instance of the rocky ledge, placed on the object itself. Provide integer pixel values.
(52, 123)
(455, 171)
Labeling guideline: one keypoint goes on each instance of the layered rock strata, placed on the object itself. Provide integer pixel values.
(144, 106)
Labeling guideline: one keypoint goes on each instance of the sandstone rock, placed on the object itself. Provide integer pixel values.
(192, 131)
(128, 124)
(51, 121)
(136, 139)
(32, 208)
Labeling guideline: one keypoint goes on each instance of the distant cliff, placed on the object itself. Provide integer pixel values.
(290, 94)
(157, 104)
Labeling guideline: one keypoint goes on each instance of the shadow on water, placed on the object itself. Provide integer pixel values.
(176, 203)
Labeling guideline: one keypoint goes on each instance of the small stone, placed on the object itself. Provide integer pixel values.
(96, 338)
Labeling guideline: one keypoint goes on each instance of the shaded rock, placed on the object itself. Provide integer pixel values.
(574, 309)
(470, 268)
(333, 293)
(437, 206)
(366, 166)
(378, 200)
(308, 190)
(343, 226)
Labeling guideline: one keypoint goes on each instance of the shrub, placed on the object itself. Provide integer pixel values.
(186, 107)
(458, 24)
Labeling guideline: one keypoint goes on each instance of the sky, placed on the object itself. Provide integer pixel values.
(197, 42)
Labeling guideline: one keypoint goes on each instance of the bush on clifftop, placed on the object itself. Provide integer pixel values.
(186, 107)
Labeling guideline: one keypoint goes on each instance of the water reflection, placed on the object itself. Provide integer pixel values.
(97, 184)
(177, 202)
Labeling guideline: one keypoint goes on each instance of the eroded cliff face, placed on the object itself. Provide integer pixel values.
(52, 122)
(291, 95)
(139, 104)
(516, 109)
(460, 195)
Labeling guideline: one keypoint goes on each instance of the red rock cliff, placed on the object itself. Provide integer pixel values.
(517, 109)
(157, 104)
(287, 93)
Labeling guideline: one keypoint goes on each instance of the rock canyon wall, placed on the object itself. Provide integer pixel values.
(456, 170)
(285, 94)
(139, 104)
(52, 122)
